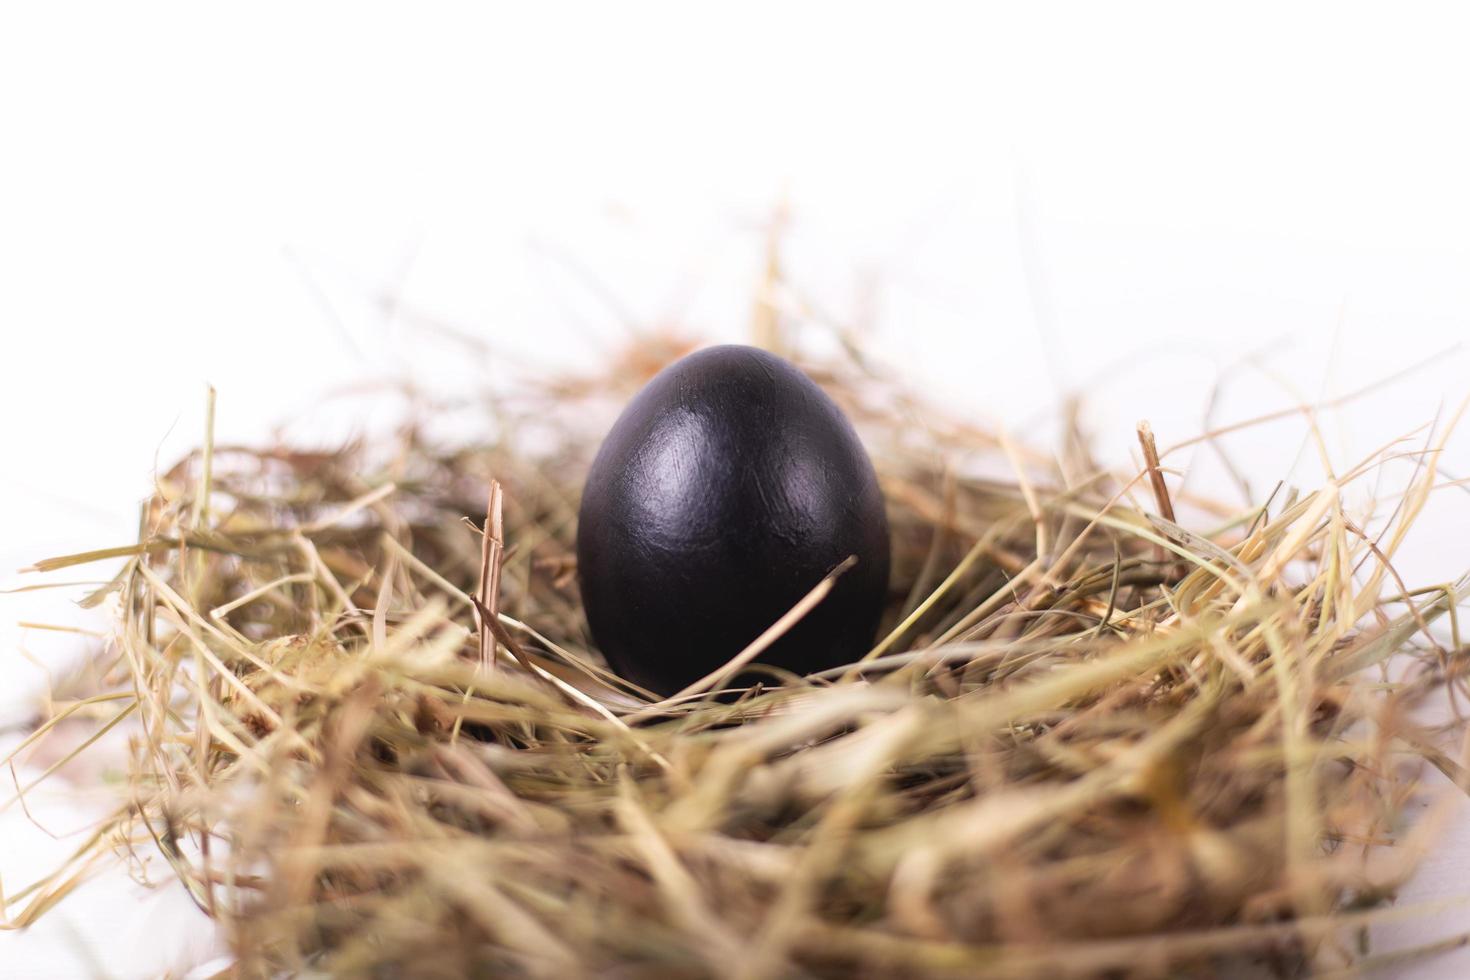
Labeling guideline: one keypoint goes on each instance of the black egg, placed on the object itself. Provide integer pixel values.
(727, 489)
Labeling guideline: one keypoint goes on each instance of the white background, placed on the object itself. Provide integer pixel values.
(1028, 199)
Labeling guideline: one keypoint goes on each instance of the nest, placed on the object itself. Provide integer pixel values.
(1094, 737)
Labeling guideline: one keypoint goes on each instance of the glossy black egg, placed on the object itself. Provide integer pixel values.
(727, 489)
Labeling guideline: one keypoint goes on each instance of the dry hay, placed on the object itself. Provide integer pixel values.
(1090, 741)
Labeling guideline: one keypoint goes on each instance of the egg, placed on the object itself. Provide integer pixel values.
(727, 490)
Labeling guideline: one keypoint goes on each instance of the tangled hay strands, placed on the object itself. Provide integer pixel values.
(1093, 737)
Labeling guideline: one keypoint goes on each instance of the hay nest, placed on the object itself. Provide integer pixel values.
(1090, 740)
